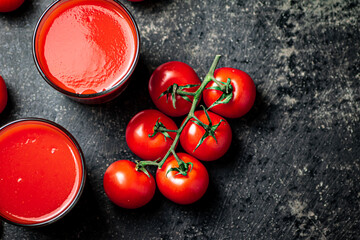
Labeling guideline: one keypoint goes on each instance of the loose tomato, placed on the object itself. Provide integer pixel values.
(243, 90)
(10, 5)
(3, 95)
(211, 148)
(127, 187)
(179, 188)
(164, 77)
(139, 129)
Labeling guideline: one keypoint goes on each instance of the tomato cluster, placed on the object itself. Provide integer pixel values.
(204, 134)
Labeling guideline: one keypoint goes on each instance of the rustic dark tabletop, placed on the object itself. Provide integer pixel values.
(293, 169)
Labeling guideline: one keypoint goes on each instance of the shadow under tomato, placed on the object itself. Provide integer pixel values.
(260, 112)
(140, 213)
(208, 201)
(238, 157)
(198, 212)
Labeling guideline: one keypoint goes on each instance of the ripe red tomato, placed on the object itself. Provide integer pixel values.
(3, 95)
(244, 93)
(166, 75)
(210, 149)
(127, 187)
(10, 5)
(179, 188)
(138, 130)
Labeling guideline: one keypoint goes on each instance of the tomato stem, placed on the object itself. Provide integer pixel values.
(221, 85)
(145, 163)
(176, 156)
(185, 93)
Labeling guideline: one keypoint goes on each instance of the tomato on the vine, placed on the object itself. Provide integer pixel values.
(217, 135)
(139, 133)
(3, 95)
(243, 93)
(127, 187)
(179, 188)
(161, 81)
(10, 5)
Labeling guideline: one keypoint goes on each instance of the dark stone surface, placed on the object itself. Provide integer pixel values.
(293, 170)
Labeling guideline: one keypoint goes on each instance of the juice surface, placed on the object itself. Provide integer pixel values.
(40, 172)
(86, 46)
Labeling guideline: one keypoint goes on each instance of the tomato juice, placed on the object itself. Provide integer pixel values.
(42, 172)
(86, 49)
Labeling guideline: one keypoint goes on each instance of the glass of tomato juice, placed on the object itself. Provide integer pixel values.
(86, 49)
(42, 172)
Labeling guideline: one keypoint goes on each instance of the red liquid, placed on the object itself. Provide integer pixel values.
(86, 46)
(40, 172)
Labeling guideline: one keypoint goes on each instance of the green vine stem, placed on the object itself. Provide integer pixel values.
(220, 84)
(208, 78)
(181, 92)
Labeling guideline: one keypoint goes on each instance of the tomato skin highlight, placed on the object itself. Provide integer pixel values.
(210, 149)
(3, 95)
(166, 75)
(10, 5)
(182, 189)
(138, 130)
(127, 187)
(244, 93)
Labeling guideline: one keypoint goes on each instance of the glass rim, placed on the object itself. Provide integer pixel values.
(83, 177)
(92, 95)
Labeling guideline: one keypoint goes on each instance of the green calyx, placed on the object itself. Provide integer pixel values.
(183, 168)
(227, 90)
(140, 166)
(175, 90)
(159, 127)
(209, 128)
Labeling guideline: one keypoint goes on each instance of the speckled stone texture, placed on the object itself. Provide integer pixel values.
(293, 169)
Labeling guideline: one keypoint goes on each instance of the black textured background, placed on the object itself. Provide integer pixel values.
(293, 170)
